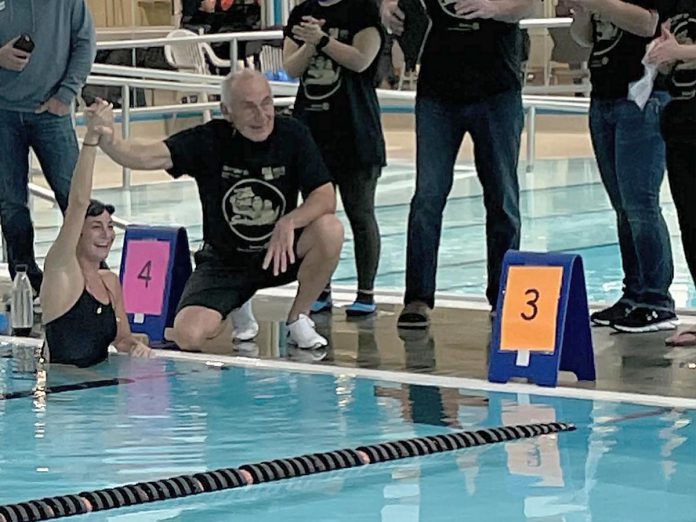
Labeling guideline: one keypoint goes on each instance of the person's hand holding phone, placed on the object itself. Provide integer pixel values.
(12, 55)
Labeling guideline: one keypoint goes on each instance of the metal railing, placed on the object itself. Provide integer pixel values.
(233, 38)
(47, 195)
(284, 96)
(127, 78)
(530, 23)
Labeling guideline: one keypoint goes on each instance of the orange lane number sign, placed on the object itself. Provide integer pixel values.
(530, 308)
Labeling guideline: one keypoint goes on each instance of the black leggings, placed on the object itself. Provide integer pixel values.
(357, 187)
(679, 132)
(681, 171)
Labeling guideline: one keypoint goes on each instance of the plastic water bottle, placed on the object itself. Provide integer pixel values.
(22, 311)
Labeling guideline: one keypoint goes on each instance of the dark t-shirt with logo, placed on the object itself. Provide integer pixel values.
(680, 114)
(468, 60)
(246, 186)
(339, 105)
(617, 55)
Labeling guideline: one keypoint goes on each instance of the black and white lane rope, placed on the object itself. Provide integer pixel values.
(274, 470)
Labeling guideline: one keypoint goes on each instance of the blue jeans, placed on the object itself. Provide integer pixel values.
(55, 144)
(630, 154)
(495, 125)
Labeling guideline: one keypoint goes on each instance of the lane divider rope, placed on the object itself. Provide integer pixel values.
(268, 471)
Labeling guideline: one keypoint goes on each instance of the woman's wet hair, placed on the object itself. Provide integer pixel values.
(97, 208)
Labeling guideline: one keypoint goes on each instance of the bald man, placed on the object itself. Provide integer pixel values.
(250, 168)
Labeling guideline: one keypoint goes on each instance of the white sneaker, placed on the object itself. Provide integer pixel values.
(245, 327)
(302, 334)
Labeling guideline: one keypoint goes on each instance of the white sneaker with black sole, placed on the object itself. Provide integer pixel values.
(303, 334)
(245, 326)
(643, 320)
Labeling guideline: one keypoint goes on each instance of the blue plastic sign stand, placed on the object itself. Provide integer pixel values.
(572, 342)
(155, 265)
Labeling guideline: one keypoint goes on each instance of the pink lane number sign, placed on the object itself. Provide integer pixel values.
(145, 276)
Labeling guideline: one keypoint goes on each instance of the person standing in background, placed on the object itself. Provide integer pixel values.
(37, 88)
(333, 47)
(470, 81)
(675, 53)
(631, 157)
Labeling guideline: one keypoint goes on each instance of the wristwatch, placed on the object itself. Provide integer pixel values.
(323, 42)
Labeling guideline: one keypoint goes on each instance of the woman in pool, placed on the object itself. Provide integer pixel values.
(82, 304)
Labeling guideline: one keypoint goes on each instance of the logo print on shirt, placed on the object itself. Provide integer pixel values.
(466, 25)
(233, 172)
(607, 36)
(323, 77)
(684, 73)
(251, 208)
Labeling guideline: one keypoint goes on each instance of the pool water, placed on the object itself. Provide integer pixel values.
(131, 420)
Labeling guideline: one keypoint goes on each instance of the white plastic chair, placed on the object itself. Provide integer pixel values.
(191, 57)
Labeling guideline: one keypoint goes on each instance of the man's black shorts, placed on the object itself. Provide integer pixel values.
(223, 284)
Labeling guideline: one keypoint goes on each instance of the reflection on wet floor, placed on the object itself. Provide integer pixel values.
(457, 344)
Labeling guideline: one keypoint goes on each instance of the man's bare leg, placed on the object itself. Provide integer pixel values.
(194, 325)
(319, 248)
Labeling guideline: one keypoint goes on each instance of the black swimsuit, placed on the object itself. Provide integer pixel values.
(82, 335)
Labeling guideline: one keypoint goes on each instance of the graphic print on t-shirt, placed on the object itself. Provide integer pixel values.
(683, 77)
(464, 25)
(607, 37)
(251, 208)
(323, 76)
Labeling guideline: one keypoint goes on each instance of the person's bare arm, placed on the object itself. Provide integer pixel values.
(319, 202)
(63, 250)
(581, 28)
(139, 154)
(393, 18)
(666, 50)
(632, 18)
(62, 272)
(132, 153)
(296, 58)
(356, 56)
(511, 11)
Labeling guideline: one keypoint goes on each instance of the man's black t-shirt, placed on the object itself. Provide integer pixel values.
(340, 106)
(468, 60)
(246, 186)
(617, 55)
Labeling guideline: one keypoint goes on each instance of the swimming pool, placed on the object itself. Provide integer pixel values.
(563, 203)
(131, 420)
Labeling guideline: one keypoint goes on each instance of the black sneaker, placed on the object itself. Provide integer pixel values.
(642, 319)
(414, 316)
(610, 315)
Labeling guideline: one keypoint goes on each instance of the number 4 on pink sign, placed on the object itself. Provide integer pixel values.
(145, 273)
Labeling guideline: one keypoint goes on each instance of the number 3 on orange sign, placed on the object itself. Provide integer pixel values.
(532, 304)
(530, 308)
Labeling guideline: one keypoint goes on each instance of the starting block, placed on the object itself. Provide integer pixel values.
(542, 325)
(155, 265)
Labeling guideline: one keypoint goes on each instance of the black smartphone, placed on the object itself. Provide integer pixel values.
(88, 98)
(24, 43)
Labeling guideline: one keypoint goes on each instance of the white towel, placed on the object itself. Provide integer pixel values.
(640, 91)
